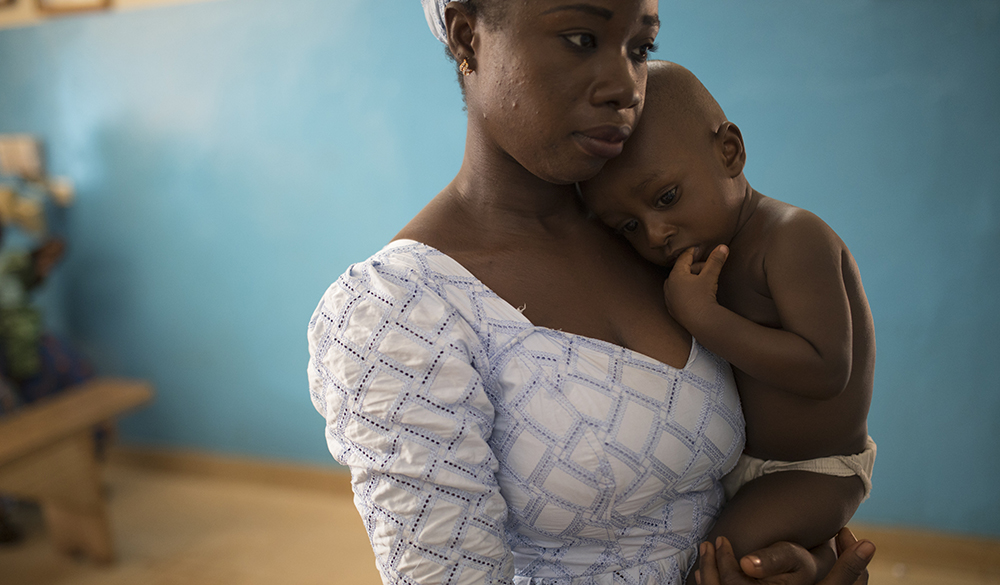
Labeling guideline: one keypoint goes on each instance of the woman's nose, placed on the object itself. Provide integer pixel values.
(619, 82)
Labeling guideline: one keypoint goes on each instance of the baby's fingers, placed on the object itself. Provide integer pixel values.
(683, 263)
(713, 266)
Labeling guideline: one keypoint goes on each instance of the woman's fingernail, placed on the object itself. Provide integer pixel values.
(866, 550)
(701, 548)
(754, 560)
(697, 576)
(718, 542)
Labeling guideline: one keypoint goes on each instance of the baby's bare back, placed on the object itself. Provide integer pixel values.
(789, 271)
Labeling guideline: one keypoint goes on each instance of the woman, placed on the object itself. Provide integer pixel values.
(503, 379)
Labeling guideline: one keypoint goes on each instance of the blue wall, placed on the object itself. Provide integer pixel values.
(232, 158)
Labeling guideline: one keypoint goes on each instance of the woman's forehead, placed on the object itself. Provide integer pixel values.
(645, 10)
(642, 11)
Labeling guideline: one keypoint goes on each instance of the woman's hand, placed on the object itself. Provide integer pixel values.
(784, 564)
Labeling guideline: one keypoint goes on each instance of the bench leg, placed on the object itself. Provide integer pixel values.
(74, 531)
(65, 478)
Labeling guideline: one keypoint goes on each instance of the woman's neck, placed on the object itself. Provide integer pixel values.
(493, 203)
(483, 192)
(495, 188)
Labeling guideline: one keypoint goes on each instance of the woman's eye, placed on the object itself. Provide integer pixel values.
(629, 227)
(667, 198)
(583, 40)
(642, 53)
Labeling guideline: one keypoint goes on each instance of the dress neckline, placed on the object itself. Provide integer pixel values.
(462, 270)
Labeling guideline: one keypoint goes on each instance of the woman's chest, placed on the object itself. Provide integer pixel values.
(603, 292)
(588, 434)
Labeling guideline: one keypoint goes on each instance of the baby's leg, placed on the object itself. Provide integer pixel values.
(796, 506)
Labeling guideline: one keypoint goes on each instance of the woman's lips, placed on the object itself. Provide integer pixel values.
(603, 141)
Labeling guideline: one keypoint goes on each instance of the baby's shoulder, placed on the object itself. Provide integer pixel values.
(786, 226)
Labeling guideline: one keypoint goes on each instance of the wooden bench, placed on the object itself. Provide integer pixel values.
(47, 454)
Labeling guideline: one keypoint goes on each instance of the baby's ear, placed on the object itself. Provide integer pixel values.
(730, 142)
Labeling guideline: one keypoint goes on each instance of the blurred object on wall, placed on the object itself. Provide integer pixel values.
(72, 5)
(20, 156)
(6, 3)
(22, 198)
(34, 364)
(31, 204)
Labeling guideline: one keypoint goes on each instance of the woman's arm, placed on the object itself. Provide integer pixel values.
(391, 370)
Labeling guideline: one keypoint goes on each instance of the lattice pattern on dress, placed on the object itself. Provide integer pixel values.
(479, 442)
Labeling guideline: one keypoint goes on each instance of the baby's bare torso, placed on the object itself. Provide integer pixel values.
(781, 425)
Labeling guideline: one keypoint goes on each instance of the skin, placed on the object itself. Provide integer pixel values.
(717, 565)
(765, 285)
(555, 89)
(511, 216)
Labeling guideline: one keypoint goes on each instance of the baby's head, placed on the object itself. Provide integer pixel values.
(679, 182)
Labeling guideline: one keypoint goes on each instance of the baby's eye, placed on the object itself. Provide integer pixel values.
(582, 40)
(667, 198)
(629, 227)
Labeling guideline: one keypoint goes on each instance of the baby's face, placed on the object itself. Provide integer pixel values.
(666, 195)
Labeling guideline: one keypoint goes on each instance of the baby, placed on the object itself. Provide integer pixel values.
(765, 285)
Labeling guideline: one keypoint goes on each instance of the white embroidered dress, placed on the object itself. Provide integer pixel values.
(484, 449)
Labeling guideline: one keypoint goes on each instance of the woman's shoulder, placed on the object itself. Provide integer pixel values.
(388, 276)
(402, 266)
(406, 281)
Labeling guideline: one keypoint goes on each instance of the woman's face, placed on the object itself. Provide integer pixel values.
(559, 84)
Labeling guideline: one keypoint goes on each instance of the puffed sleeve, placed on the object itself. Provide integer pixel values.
(392, 369)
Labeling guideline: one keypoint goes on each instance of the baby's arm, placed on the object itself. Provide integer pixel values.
(810, 355)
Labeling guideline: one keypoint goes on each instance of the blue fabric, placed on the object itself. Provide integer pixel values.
(485, 449)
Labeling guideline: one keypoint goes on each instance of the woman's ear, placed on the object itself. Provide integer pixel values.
(731, 149)
(461, 27)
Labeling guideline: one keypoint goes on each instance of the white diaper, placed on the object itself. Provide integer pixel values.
(750, 468)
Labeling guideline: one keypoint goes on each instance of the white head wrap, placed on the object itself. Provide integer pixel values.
(434, 11)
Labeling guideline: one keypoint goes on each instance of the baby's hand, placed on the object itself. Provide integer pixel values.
(689, 292)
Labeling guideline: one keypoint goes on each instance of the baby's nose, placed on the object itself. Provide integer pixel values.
(658, 233)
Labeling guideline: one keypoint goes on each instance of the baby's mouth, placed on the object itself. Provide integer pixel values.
(677, 252)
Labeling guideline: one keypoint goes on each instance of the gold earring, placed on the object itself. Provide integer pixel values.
(465, 68)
